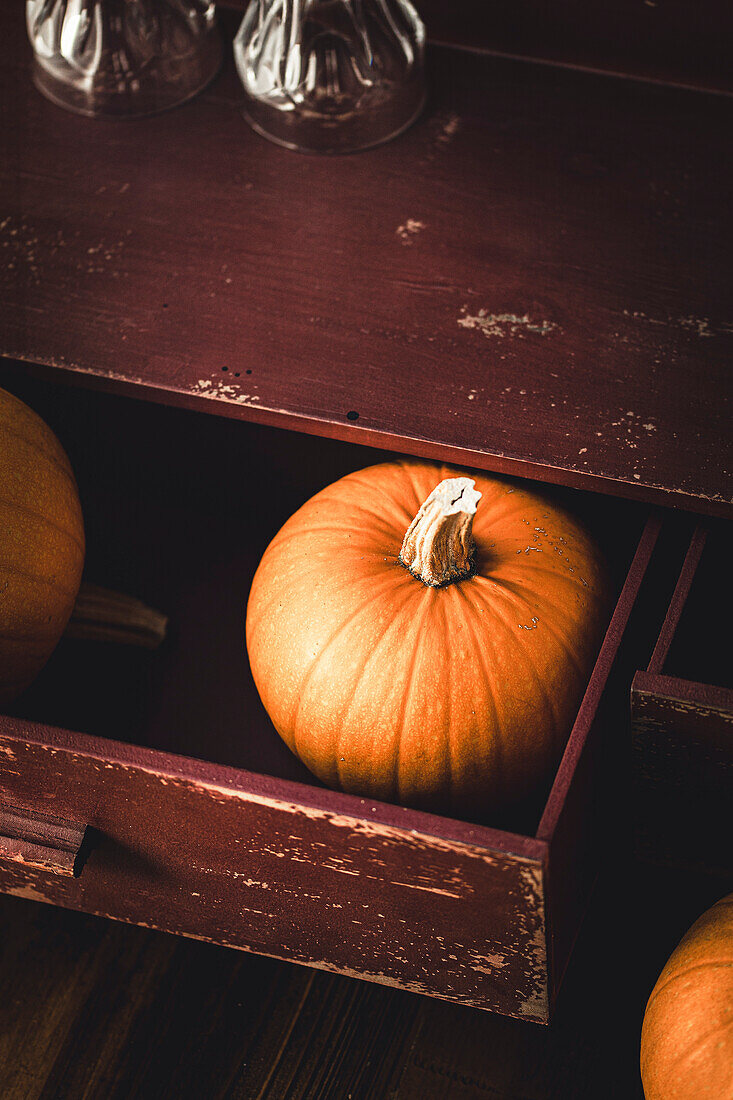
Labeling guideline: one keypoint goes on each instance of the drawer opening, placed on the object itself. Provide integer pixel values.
(693, 645)
(163, 493)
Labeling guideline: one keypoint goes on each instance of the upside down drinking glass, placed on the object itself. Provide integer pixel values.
(120, 58)
(331, 75)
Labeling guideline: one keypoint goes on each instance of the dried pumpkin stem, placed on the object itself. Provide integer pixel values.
(438, 547)
(101, 615)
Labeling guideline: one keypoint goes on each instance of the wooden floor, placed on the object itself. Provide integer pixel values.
(102, 1011)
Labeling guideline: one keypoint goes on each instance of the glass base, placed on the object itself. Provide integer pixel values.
(331, 76)
(102, 63)
(320, 134)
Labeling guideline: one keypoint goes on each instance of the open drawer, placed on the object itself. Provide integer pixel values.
(682, 719)
(152, 788)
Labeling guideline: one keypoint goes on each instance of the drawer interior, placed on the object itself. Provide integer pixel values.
(164, 493)
(698, 650)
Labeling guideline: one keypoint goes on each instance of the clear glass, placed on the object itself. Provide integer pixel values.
(331, 76)
(122, 58)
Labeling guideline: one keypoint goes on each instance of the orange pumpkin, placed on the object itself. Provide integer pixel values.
(437, 661)
(687, 1036)
(41, 544)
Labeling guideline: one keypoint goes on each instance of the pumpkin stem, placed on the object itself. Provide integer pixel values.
(438, 547)
(100, 615)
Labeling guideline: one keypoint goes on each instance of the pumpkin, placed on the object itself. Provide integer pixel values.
(415, 648)
(41, 544)
(687, 1035)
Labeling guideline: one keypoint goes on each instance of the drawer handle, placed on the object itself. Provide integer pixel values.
(42, 842)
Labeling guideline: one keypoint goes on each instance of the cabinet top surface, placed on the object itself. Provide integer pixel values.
(532, 279)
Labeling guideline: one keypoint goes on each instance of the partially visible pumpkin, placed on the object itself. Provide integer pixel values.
(41, 544)
(687, 1035)
(444, 673)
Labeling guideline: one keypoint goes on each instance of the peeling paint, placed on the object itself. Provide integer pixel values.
(409, 230)
(499, 963)
(505, 324)
(444, 126)
(700, 326)
(223, 391)
(427, 889)
(489, 963)
(28, 892)
(449, 129)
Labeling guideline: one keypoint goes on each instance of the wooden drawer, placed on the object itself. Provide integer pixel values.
(682, 719)
(200, 821)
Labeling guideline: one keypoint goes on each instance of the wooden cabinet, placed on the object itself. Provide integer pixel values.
(525, 282)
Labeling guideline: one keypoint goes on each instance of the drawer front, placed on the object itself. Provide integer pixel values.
(187, 848)
(683, 728)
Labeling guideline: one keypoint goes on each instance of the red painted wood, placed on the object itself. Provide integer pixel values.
(580, 821)
(696, 648)
(682, 729)
(219, 860)
(533, 278)
(687, 691)
(32, 840)
(674, 42)
(599, 678)
(309, 796)
(683, 771)
(679, 598)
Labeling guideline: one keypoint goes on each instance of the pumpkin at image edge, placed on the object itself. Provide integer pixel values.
(450, 685)
(41, 544)
(687, 1035)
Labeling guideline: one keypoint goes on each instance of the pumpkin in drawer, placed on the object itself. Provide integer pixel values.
(435, 661)
(41, 544)
(687, 1035)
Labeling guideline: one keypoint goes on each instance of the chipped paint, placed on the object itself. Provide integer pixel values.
(685, 707)
(25, 244)
(449, 129)
(505, 324)
(489, 963)
(444, 127)
(223, 391)
(28, 892)
(527, 1010)
(409, 230)
(427, 889)
(535, 1006)
(699, 326)
(358, 826)
(498, 963)
(7, 751)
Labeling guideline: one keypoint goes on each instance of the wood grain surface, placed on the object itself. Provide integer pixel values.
(676, 42)
(40, 842)
(91, 1010)
(212, 853)
(532, 279)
